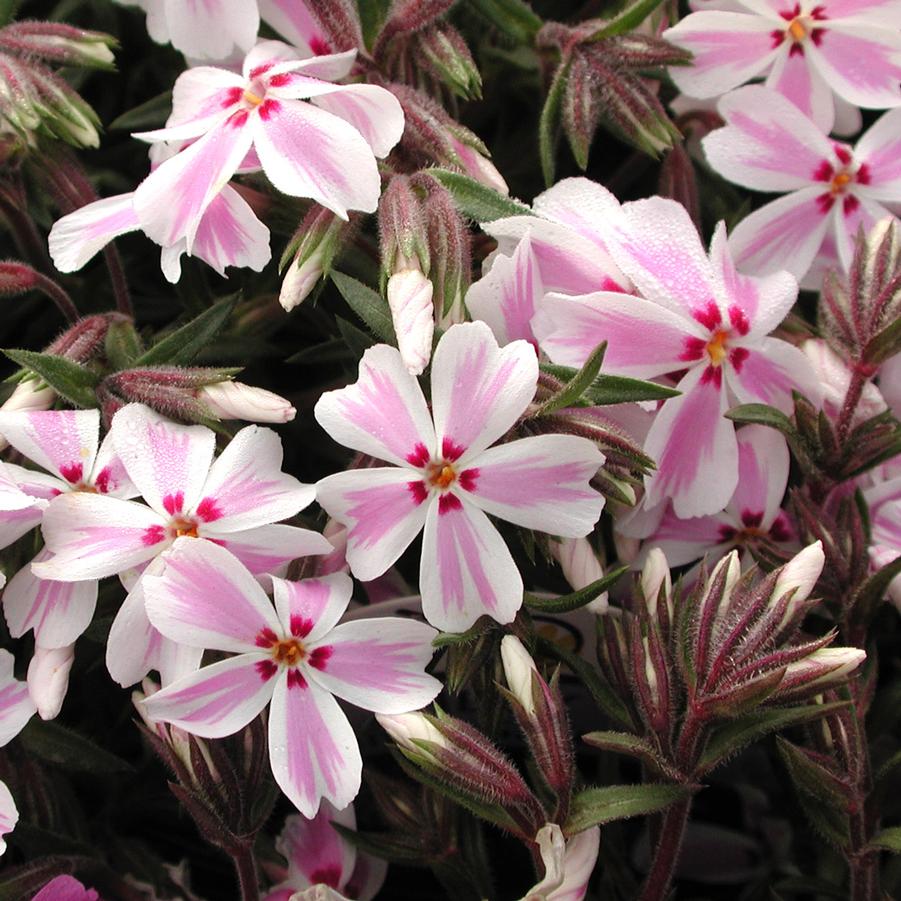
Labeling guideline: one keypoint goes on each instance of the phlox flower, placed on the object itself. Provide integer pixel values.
(753, 514)
(568, 865)
(296, 656)
(698, 316)
(445, 477)
(16, 709)
(559, 248)
(66, 445)
(884, 500)
(318, 855)
(232, 500)
(817, 53)
(835, 188)
(324, 149)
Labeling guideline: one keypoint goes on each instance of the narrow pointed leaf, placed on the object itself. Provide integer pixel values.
(889, 840)
(596, 806)
(67, 378)
(185, 343)
(628, 20)
(576, 599)
(571, 392)
(478, 201)
(514, 17)
(369, 305)
(549, 123)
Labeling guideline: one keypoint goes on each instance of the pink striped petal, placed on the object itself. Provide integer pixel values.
(266, 56)
(206, 598)
(782, 235)
(12, 497)
(872, 10)
(383, 509)
(848, 218)
(172, 200)
(695, 449)
(57, 611)
(312, 747)
(373, 111)
(312, 607)
(292, 20)
(368, 877)
(540, 483)
(246, 487)
(201, 95)
(767, 145)
(568, 262)
(507, 296)
(479, 389)
(579, 861)
(848, 118)
(862, 63)
(9, 815)
(329, 66)
(217, 700)
(314, 849)
(763, 462)
(63, 442)
(466, 569)
(657, 246)
(16, 706)
(75, 238)
(880, 150)
(308, 152)
(266, 549)
(770, 372)
(686, 540)
(377, 664)
(211, 29)
(167, 462)
(798, 81)
(644, 339)
(16, 523)
(383, 413)
(580, 204)
(729, 49)
(765, 301)
(229, 234)
(108, 475)
(92, 536)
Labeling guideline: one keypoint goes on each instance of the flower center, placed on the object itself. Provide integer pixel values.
(288, 652)
(840, 181)
(251, 98)
(183, 527)
(716, 347)
(441, 475)
(797, 29)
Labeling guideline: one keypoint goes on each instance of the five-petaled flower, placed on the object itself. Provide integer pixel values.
(697, 316)
(233, 501)
(445, 476)
(324, 149)
(820, 54)
(296, 656)
(768, 146)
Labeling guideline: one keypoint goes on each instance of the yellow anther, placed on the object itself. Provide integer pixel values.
(716, 348)
(797, 30)
(250, 97)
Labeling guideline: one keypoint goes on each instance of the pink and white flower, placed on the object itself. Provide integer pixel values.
(445, 476)
(66, 444)
(296, 656)
(834, 188)
(812, 51)
(232, 500)
(884, 500)
(16, 709)
(318, 855)
(559, 248)
(228, 234)
(699, 316)
(568, 864)
(324, 149)
(754, 511)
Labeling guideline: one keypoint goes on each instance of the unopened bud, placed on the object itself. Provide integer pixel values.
(580, 565)
(799, 575)
(82, 340)
(655, 575)
(477, 165)
(445, 54)
(299, 280)
(30, 395)
(403, 236)
(311, 253)
(518, 670)
(407, 728)
(410, 299)
(834, 377)
(823, 669)
(235, 400)
(59, 43)
(48, 678)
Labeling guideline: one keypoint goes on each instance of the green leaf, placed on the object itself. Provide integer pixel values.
(606, 390)
(549, 123)
(514, 17)
(884, 344)
(889, 840)
(572, 391)
(7, 10)
(354, 339)
(628, 20)
(68, 750)
(632, 746)
(449, 639)
(576, 599)
(763, 414)
(122, 344)
(868, 597)
(393, 848)
(596, 806)
(478, 201)
(185, 343)
(730, 738)
(67, 378)
(150, 114)
(369, 305)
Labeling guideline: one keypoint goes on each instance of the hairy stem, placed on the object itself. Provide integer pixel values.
(666, 854)
(246, 865)
(849, 407)
(58, 295)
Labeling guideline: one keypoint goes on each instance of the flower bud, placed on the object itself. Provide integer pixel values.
(59, 43)
(834, 378)
(580, 565)
(405, 728)
(410, 300)
(48, 678)
(444, 53)
(235, 400)
(799, 575)
(518, 670)
(824, 668)
(299, 280)
(655, 577)
(312, 251)
(403, 237)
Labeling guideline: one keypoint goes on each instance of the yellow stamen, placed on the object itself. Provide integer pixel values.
(797, 30)
(250, 97)
(446, 476)
(289, 652)
(716, 348)
(839, 181)
(185, 528)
